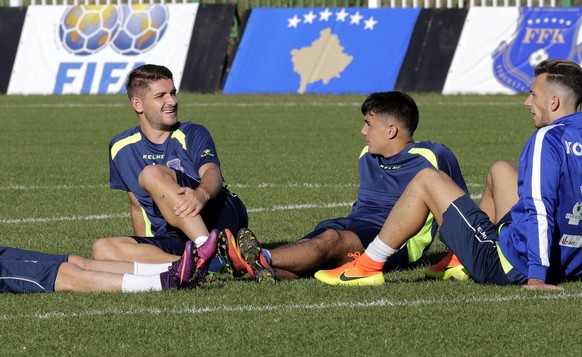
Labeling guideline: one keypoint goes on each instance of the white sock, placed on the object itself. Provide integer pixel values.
(378, 251)
(200, 241)
(149, 269)
(134, 283)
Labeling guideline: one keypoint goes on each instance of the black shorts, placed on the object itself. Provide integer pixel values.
(366, 232)
(469, 233)
(226, 210)
(27, 271)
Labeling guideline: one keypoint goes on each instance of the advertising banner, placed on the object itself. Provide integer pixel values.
(500, 47)
(86, 49)
(332, 50)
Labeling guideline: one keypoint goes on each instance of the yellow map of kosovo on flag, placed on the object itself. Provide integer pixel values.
(323, 60)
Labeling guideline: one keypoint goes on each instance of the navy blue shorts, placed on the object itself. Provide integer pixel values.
(26, 271)
(469, 233)
(365, 231)
(226, 210)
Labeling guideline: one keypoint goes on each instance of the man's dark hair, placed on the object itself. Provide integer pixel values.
(395, 104)
(142, 76)
(565, 73)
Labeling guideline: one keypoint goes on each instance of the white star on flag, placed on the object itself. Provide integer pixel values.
(293, 21)
(324, 16)
(309, 18)
(370, 23)
(341, 16)
(356, 18)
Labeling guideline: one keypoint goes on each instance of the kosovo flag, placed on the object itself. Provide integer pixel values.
(326, 51)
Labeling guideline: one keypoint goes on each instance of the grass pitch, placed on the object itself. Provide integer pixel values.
(293, 160)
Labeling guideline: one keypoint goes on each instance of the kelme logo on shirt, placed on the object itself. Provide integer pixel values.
(207, 152)
(153, 156)
(389, 167)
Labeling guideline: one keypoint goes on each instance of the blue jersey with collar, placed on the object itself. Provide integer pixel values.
(383, 179)
(187, 148)
(544, 239)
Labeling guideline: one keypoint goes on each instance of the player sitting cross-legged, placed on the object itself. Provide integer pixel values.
(386, 165)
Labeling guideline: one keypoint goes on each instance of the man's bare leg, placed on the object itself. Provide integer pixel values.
(500, 193)
(430, 190)
(118, 267)
(306, 256)
(127, 249)
(161, 185)
(73, 278)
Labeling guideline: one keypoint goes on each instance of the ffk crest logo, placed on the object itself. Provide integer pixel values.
(542, 33)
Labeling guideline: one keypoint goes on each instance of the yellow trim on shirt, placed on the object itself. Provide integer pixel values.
(364, 151)
(181, 137)
(427, 154)
(123, 143)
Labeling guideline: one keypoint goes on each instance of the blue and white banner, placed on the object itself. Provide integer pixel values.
(500, 47)
(86, 49)
(332, 50)
(541, 33)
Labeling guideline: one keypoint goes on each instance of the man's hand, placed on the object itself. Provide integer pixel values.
(537, 284)
(192, 202)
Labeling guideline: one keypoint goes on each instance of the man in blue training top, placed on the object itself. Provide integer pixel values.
(528, 227)
(171, 172)
(386, 165)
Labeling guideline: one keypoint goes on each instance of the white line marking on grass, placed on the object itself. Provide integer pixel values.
(294, 185)
(262, 185)
(384, 303)
(275, 208)
(257, 104)
(95, 217)
(50, 187)
(299, 207)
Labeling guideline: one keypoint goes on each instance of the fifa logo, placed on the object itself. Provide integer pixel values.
(129, 29)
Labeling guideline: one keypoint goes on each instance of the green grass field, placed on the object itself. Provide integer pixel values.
(293, 160)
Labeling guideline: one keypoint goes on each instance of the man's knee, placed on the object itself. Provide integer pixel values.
(336, 244)
(327, 240)
(153, 175)
(107, 249)
(428, 177)
(503, 167)
(66, 276)
(78, 261)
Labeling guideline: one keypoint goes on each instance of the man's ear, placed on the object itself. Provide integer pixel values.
(554, 103)
(136, 103)
(392, 131)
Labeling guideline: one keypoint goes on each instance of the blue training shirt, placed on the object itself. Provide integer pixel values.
(187, 148)
(545, 238)
(383, 179)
